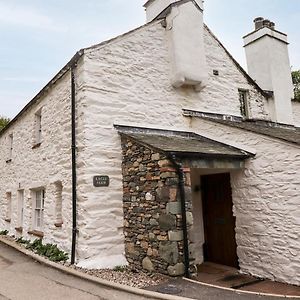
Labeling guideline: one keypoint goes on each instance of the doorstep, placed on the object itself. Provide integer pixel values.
(228, 277)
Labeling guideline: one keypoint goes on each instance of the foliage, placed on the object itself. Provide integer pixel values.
(3, 122)
(296, 82)
(20, 240)
(4, 232)
(50, 251)
(120, 268)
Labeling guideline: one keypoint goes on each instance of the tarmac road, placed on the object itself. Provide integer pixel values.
(22, 278)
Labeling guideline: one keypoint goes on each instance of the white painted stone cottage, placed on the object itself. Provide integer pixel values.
(194, 159)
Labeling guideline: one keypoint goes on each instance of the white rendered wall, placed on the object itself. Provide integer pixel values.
(186, 44)
(40, 167)
(128, 82)
(268, 64)
(266, 203)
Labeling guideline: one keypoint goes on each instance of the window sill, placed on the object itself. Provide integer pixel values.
(58, 224)
(9, 161)
(36, 233)
(19, 229)
(36, 145)
(7, 220)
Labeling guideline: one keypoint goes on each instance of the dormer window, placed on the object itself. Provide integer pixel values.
(244, 103)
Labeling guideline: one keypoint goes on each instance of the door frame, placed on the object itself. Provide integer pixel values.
(205, 221)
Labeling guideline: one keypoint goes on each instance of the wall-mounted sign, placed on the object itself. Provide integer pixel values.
(100, 181)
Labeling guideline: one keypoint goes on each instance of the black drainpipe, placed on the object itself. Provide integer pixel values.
(74, 175)
(180, 174)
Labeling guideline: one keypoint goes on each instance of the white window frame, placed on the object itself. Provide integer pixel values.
(39, 206)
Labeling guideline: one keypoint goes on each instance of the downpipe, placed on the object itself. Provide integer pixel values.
(180, 174)
(74, 174)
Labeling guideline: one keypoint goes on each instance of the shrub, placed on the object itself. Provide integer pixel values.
(50, 251)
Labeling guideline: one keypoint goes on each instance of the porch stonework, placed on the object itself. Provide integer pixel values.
(152, 213)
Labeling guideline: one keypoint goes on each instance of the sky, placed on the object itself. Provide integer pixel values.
(38, 37)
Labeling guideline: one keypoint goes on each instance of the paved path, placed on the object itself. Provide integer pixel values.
(180, 287)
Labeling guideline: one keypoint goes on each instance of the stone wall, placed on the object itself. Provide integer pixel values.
(33, 167)
(127, 82)
(152, 210)
(266, 202)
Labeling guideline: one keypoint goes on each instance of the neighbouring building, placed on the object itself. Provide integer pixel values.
(156, 149)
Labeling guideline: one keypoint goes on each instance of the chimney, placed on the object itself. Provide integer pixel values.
(269, 65)
(184, 27)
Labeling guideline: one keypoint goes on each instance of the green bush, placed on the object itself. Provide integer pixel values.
(4, 232)
(296, 82)
(50, 251)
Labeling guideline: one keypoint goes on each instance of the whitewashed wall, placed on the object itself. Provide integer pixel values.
(127, 81)
(266, 203)
(40, 167)
(296, 113)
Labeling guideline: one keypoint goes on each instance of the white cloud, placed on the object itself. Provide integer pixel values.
(26, 16)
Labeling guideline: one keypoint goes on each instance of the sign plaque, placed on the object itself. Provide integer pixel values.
(100, 181)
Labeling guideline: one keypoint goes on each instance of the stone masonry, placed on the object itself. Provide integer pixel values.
(152, 211)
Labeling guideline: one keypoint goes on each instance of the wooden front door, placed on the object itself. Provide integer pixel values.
(219, 222)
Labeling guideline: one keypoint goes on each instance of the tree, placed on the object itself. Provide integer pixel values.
(3, 122)
(296, 82)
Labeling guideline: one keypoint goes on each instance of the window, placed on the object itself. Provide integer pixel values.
(39, 209)
(244, 105)
(38, 128)
(8, 207)
(10, 147)
(58, 204)
(20, 208)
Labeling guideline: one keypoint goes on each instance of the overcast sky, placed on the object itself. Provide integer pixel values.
(38, 37)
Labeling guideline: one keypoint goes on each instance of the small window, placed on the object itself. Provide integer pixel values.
(8, 206)
(39, 209)
(244, 104)
(20, 208)
(10, 146)
(58, 204)
(38, 128)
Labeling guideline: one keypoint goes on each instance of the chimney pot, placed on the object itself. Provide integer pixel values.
(266, 23)
(258, 23)
(272, 25)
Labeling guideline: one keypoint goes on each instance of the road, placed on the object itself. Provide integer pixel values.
(21, 278)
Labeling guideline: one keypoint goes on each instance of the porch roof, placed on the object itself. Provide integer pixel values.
(183, 144)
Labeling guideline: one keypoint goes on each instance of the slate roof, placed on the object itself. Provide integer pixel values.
(183, 144)
(287, 133)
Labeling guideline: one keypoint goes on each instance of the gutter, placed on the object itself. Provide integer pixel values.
(74, 173)
(186, 253)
